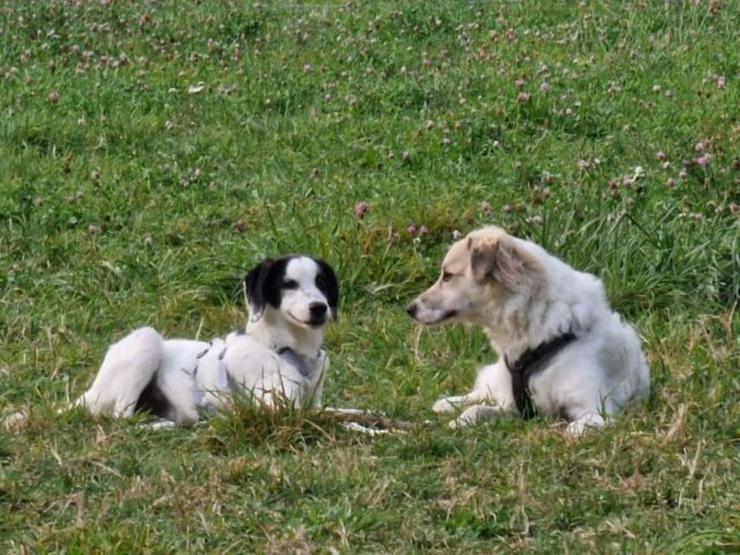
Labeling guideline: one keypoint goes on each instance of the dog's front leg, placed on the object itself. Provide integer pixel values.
(477, 414)
(316, 389)
(492, 386)
(590, 420)
(451, 404)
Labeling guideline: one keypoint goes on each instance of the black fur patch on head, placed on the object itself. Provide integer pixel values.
(326, 281)
(254, 282)
(274, 285)
(266, 282)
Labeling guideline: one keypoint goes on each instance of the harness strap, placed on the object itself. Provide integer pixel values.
(222, 376)
(528, 364)
(304, 365)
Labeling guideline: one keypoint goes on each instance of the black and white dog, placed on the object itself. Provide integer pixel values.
(277, 359)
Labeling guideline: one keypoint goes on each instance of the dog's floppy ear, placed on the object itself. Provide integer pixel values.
(254, 284)
(327, 282)
(483, 258)
(502, 260)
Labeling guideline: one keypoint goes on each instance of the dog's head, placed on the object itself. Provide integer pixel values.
(479, 272)
(299, 289)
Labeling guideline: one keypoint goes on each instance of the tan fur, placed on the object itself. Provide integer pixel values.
(495, 256)
(523, 297)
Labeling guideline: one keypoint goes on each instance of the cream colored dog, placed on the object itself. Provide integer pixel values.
(561, 349)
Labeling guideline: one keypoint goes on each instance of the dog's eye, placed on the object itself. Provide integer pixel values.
(290, 284)
(446, 276)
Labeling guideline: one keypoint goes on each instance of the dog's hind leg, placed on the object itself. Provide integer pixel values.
(128, 366)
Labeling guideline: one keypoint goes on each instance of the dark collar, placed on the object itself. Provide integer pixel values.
(528, 364)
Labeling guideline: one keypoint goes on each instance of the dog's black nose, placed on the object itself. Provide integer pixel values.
(318, 310)
(412, 310)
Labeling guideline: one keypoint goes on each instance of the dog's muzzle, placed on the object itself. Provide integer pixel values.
(428, 317)
(319, 312)
(412, 309)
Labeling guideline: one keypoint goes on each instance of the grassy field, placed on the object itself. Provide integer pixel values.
(151, 152)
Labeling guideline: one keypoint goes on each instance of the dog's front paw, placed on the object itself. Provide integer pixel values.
(445, 405)
(463, 421)
(576, 428)
(587, 422)
(477, 414)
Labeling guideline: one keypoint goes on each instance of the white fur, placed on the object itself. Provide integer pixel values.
(296, 302)
(590, 379)
(127, 368)
(247, 361)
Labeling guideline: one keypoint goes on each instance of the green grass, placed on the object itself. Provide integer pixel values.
(126, 200)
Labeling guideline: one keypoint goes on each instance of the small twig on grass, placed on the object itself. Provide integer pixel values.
(106, 468)
(417, 340)
(368, 419)
(321, 430)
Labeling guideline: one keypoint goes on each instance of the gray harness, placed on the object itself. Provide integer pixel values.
(304, 365)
